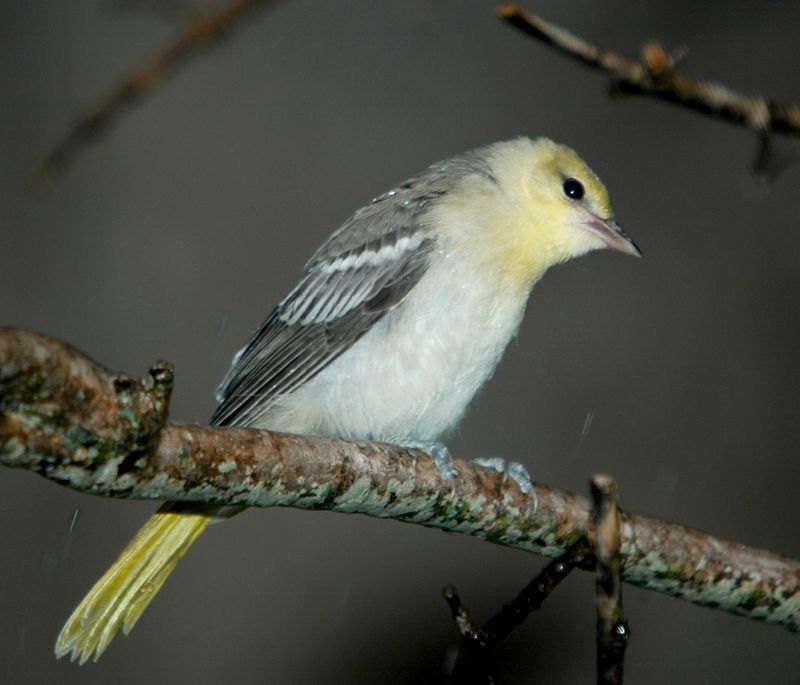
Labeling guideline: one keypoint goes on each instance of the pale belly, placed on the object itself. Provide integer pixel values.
(410, 378)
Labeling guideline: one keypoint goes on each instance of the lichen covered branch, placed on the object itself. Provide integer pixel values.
(71, 420)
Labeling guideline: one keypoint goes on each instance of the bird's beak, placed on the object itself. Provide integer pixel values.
(612, 235)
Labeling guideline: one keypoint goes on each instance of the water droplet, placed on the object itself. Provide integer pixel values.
(587, 424)
(621, 631)
(74, 521)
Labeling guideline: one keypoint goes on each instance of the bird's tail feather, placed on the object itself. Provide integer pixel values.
(123, 593)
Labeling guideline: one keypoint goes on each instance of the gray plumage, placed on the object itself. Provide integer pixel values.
(361, 272)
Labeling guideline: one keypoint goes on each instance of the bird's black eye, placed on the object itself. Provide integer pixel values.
(574, 189)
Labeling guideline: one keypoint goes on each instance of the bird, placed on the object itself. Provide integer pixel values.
(397, 321)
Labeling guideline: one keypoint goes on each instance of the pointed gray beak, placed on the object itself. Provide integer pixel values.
(611, 233)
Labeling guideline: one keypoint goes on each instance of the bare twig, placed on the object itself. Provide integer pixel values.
(200, 34)
(534, 593)
(654, 74)
(612, 628)
(472, 664)
(479, 642)
(469, 631)
(69, 419)
(517, 610)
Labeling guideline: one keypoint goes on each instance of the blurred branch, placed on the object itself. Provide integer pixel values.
(612, 628)
(198, 35)
(654, 75)
(72, 421)
(167, 10)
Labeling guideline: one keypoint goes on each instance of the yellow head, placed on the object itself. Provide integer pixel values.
(538, 205)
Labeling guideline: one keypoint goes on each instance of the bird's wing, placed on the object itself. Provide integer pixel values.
(363, 270)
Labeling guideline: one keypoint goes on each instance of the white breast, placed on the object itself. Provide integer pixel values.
(412, 375)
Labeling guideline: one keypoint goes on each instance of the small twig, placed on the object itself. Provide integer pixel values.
(70, 420)
(200, 34)
(473, 663)
(533, 595)
(517, 610)
(612, 628)
(654, 75)
(469, 631)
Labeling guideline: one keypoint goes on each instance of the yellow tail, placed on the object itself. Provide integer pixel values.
(122, 594)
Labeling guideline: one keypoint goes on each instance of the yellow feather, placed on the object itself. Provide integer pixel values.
(521, 224)
(122, 594)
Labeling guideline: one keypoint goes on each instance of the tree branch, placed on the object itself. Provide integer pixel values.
(612, 628)
(202, 32)
(479, 642)
(654, 75)
(70, 420)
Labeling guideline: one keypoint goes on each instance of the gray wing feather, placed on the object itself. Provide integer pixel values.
(364, 269)
(367, 267)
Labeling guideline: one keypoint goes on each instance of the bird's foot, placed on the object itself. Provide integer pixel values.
(516, 471)
(441, 457)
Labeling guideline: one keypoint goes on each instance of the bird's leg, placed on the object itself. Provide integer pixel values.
(518, 473)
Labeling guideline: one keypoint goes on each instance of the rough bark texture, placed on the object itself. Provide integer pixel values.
(72, 421)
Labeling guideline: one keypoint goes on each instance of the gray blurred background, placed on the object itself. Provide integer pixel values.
(176, 233)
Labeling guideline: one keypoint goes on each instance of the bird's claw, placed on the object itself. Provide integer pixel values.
(491, 463)
(517, 472)
(441, 457)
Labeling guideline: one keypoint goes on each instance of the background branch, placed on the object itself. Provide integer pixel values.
(478, 642)
(202, 32)
(654, 74)
(70, 420)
